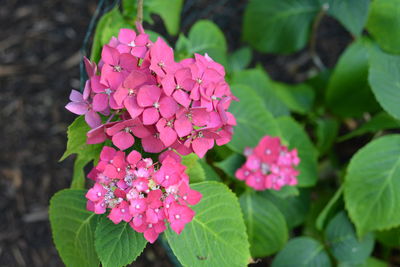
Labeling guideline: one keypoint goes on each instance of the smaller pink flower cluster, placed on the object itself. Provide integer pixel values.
(269, 165)
(144, 194)
(146, 94)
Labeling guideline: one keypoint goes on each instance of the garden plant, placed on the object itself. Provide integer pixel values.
(182, 142)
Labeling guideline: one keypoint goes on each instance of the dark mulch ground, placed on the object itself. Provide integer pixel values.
(39, 57)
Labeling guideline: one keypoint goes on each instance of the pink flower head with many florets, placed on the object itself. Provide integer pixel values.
(270, 165)
(148, 196)
(144, 93)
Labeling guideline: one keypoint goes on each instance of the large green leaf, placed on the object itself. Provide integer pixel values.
(253, 120)
(384, 24)
(206, 37)
(259, 81)
(108, 26)
(294, 207)
(73, 228)
(343, 242)
(372, 185)
(193, 168)
(381, 121)
(298, 98)
(77, 145)
(279, 26)
(217, 234)
(352, 14)
(117, 244)
(302, 251)
(384, 77)
(239, 59)
(169, 11)
(266, 226)
(295, 136)
(348, 93)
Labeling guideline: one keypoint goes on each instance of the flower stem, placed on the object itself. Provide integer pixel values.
(139, 16)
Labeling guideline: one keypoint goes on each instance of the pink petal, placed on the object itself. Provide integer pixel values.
(131, 105)
(123, 140)
(78, 108)
(110, 55)
(75, 96)
(201, 146)
(128, 62)
(126, 36)
(148, 95)
(183, 126)
(152, 144)
(93, 119)
(150, 116)
(168, 136)
(100, 102)
(134, 157)
(139, 51)
(168, 107)
(168, 84)
(120, 95)
(182, 98)
(107, 153)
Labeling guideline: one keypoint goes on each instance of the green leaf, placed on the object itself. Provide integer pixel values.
(298, 98)
(231, 164)
(372, 185)
(206, 37)
(330, 209)
(73, 228)
(384, 24)
(285, 191)
(193, 168)
(259, 81)
(343, 242)
(108, 26)
(117, 244)
(326, 132)
(253, 120)
(77, 145)
(348, 93)
(302, 251)
(381, 121)
(279, 26)
(351, 14)
(209, 172)
(239, 59)
(266, 226)
(294, 136)
(384, 77)
(169, 11)
(217, 234)
(390, 238)
(294, 208)
(370, 262)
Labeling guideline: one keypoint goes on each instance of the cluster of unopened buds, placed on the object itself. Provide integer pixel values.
(270, 165)
(142, 193)
(142, 92)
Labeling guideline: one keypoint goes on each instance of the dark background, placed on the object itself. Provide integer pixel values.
(40, 44)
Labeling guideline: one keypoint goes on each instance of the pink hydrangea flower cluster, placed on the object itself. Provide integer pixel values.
(144, 194)
(145, 94)
(270, 165)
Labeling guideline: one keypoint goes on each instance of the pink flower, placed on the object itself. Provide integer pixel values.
(81, 106)
(179, 216)
(120, 213)
(122, 133)
(126, 94)
(269, 165)
(150, 98)
(162, 58)
(178, 85)
(116, 66)
(132, 43)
